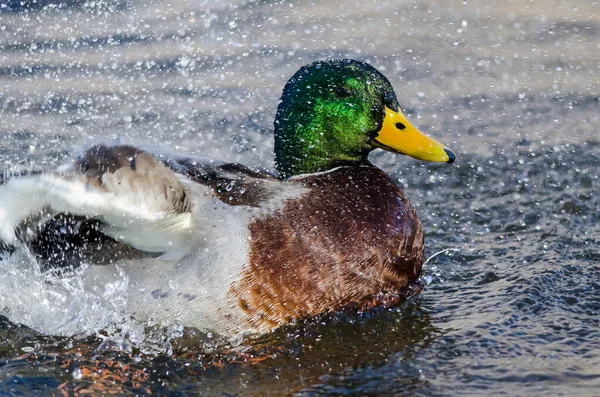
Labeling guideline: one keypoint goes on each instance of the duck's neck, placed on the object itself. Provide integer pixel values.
(303, 147)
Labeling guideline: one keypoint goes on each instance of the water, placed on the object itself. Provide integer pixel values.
(513, 309)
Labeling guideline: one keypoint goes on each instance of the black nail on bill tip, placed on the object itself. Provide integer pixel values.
(451, 156)
(400, 126)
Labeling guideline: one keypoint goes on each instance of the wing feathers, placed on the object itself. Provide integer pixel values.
(138, 200)
(135, 199)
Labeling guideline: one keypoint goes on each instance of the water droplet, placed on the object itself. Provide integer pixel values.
(77, 374)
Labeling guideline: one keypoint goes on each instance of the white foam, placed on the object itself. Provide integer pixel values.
(53, 305)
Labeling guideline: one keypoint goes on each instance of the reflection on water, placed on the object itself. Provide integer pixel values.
(294, 357)
(513, 89)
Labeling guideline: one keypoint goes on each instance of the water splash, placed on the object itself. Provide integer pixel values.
(444, 251)
(427, 276)
(56, 304)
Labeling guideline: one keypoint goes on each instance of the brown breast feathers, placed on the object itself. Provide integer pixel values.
(353, 235)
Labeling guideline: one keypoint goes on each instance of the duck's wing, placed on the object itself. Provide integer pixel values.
(232, 183)
(112, 203)
(120, 202)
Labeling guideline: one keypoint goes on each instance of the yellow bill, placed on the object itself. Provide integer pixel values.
(398, 135)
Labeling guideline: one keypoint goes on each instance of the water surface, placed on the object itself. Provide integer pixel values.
(513, 306)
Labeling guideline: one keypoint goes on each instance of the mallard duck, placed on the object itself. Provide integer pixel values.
(229, 249)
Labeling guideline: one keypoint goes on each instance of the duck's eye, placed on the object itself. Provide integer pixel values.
(341, 92)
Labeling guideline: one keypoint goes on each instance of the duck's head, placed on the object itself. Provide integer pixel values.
(336, 112)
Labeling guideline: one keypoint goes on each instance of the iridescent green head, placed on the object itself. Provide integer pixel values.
(335, 112)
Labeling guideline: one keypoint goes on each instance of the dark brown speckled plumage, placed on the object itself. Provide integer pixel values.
(353, 235)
